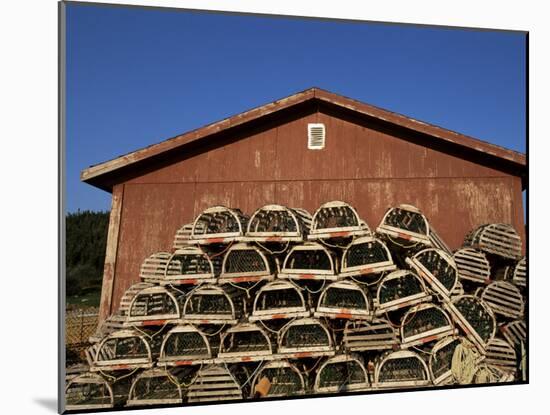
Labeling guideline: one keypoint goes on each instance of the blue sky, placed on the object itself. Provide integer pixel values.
(138, 76)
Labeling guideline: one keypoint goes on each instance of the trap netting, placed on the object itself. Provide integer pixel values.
(242, 261)
(424, 323)
(184, 343)
(219, 222)
(344, 299)
(336, 219)
(405, 222)
(245, 340)
(441, 360)
(153, 387)
(366, 255)
(310, 260)
(278, 297)
(210, 302)
(341, 373)
(284, 378)
(306, 334)
(400, 289)
(475, 318)
(278, 223)
(88, 391)
(401, 369)
(125, 347)
(153, 303)
(438, 268)
(191, 263)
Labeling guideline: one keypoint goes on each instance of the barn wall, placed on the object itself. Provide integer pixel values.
(364, 166)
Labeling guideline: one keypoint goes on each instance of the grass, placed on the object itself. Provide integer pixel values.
(90, 299)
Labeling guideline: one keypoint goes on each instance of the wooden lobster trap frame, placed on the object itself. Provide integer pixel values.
(151, 306)
(504, 298)
(279, 300)
(121, 350)
(438, 269)
(277, 223)
(218, 224)
(183, 234)
(405, 222)
(401, 369)
(472, 265)
(517, 273)
(185, 345)
(474, 317)
(378, 334)
(514, 332)
(310, 261)
(154, 387)
(245, 342)
(306, 337)
(441, 358)
(344, 300)
(342, 373)
(285, 379)
(365, 256)
(88, 391)
(214, 383)
(400, 289)
(211, 304)
(153, 268)
(425, 323)
(245, 263)
(337, 219)
(501, 354)
(191, 266)
(499, 239)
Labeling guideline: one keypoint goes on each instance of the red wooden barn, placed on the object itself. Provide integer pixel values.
(370, 158)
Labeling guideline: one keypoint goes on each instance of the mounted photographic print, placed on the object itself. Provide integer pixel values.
(266, 207)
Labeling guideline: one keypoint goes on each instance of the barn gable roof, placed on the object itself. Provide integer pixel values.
(104, 175)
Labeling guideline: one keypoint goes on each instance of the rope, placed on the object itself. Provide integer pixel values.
(150, 335)
(368, 284)
(307, 372)
(403, 322)
(418, 349)
(183, 384)
(251, 376)
(324, 242)
(216, 333)
(312, 291)
(246, 290)
(222, 252)
(401, 245)
(114, 379)
(464, 364)
(274, 252)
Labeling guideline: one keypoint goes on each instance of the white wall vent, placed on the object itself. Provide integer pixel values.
(315, 136)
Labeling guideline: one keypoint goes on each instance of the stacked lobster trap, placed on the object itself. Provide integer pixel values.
(283, 303)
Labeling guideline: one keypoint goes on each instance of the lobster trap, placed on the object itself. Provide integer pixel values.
(310, 261)
(425, 323)
(218, 224)
(211, 304)
(151, 306)
(245, 343)
(501, 354)
(492, 374)
(472, 265)
(154, 387)
(342, 373)
(400, 289)
(121, 350)
(401, 369)
(185, 345)
(278, 300)
(365, 256)
(405, 223)
(191, 266)
(441, 360)
(245, 263)
(516, 273)
(214, 383)
(438, 269)
(514, 332)
(474, 317)
(344, 300)
(306, 337)
(496, 238)
(88, 391)
(153, 268)
(378, 334)
(284, 380)
(337, 220)
(504, 298)
(276, 223)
